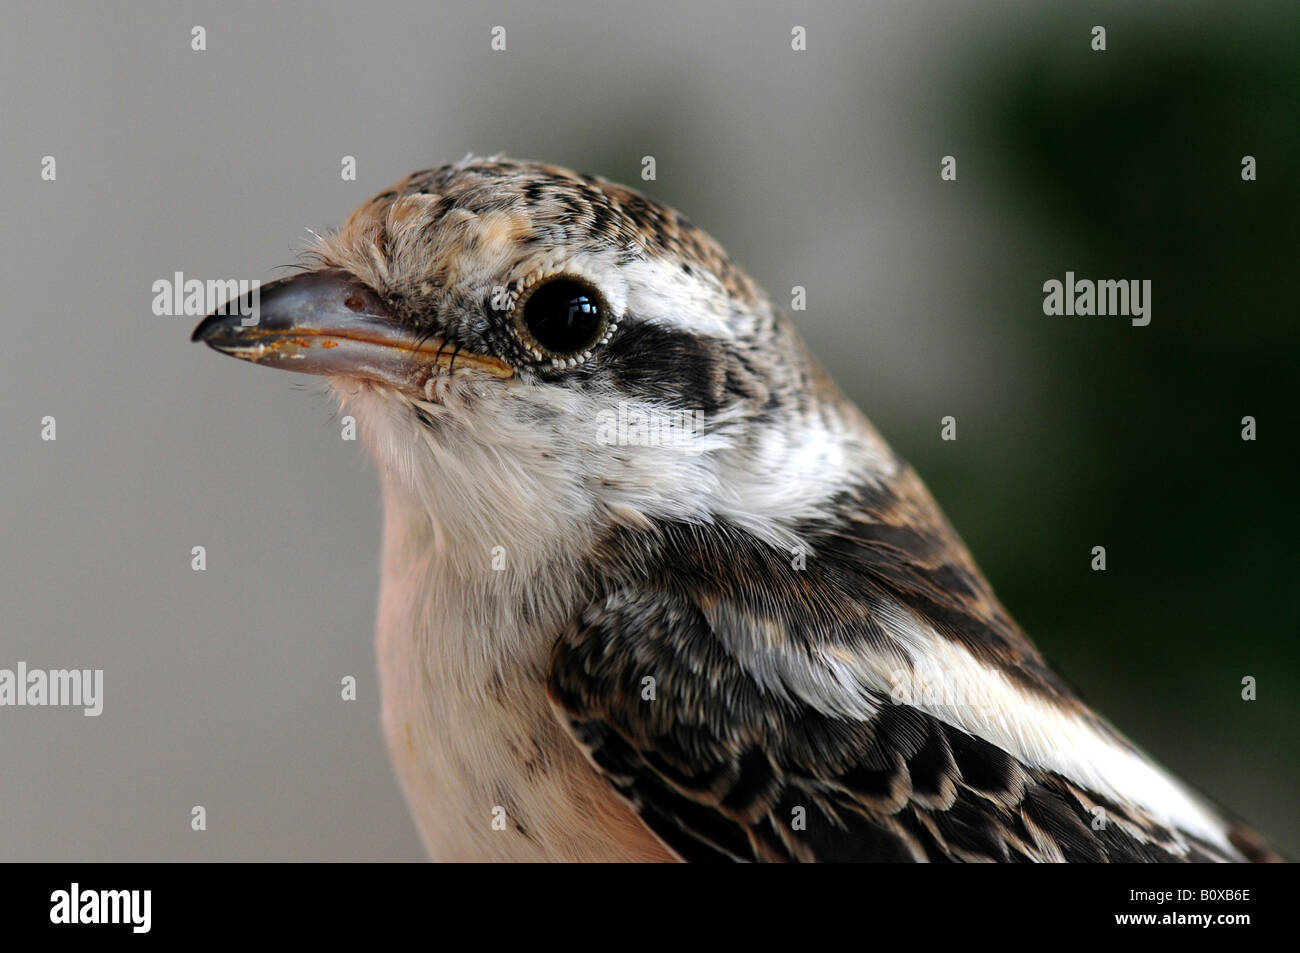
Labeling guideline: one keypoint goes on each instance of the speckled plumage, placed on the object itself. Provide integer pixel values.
(638, 652)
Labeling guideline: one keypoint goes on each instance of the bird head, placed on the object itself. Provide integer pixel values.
(535, 356)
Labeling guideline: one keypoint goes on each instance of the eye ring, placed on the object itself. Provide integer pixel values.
(562, 318)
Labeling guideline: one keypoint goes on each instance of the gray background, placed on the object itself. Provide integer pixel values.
(818, 169)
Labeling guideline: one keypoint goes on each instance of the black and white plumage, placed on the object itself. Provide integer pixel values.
(761, 641)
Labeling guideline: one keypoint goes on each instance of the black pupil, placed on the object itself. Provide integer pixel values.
(563, 317)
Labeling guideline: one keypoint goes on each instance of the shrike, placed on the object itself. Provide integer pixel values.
(652, 587)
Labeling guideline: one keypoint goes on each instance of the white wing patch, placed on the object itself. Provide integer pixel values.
(945, 681)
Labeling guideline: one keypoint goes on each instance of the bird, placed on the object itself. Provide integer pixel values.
(652, 588)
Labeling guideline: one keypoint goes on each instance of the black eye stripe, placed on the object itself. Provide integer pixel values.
(684, 370)
(562, 316)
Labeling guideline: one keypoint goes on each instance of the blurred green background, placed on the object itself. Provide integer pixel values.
(818, 168)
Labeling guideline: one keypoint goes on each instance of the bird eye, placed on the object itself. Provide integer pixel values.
(564, 316)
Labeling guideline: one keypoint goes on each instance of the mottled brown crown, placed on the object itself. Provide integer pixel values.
(455, 209)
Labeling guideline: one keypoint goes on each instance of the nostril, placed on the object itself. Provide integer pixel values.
(355, 302)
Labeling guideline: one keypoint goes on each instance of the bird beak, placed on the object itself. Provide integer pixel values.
(327, 322)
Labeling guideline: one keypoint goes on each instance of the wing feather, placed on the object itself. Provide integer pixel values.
(723, 769)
